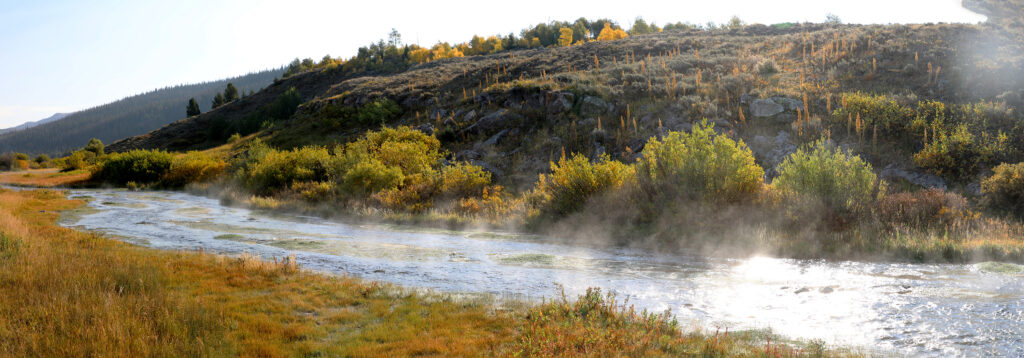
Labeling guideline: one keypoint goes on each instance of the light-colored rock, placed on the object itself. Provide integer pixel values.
(764, 108)
(923, 179)
(593, 106)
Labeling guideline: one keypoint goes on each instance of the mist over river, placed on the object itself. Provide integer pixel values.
(914, 309)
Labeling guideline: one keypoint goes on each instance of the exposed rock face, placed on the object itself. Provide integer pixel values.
(780, 109)
(558, 102)
(763, 108)
(593, 106)
(495, 121)
(923, 179)
(771, 152)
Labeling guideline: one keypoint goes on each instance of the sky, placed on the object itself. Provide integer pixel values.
(64, 56)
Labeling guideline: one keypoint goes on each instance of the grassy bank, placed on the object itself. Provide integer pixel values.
(70, 293)
(44, 178)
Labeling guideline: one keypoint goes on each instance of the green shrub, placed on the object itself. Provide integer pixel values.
(1004, 189)
(956, 155)
(572, 182)
(372, 114)
(403, 150)
(699, 165)
(268, 170)
(369, 175)
(21, 156)
(192, 167)
(820, 172)
(463, 180)
(140, 166)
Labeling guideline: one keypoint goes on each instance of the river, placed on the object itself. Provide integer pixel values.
(913, 309)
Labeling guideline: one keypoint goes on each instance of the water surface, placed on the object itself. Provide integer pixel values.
(915, 309)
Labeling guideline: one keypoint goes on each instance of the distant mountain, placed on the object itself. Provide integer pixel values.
(127, 117)
(27, 125)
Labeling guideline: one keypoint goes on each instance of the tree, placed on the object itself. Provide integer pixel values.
(832, 19)
(193, 108)
(218, 100)
(394, 38)
(230, 93)
(608, 33)
(735, 23)
(565, 39)
(95, 146)
(640, 27)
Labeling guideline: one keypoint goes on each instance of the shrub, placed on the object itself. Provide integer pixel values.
(700, 165)
(464, 180)
(75, 161)
(269, 170)
(43, 161)
(192, 167)
(1004, 190)
(955, 155)
(820, 172)
(574, 181)
(930, 208)
(21, 156)
(389, 159)
(314, 190)
(140, 166)
(8, 161)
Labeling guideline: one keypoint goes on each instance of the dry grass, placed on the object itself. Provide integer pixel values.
(45, 178)
(70, 293)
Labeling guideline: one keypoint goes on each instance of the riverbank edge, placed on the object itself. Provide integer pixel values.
(145, 301)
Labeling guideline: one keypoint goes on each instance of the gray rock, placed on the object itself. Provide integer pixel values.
(558, 102)
(467, 155)
(745, 98)
(426, 129)
(469, 117)
(923, 179)
(593, 106)
(765, 108)
(495, 172)
(495, 121)
(789, 103)
(494, 139)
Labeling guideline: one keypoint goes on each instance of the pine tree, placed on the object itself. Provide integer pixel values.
(193, 108)
(230, 93)
(218, 100)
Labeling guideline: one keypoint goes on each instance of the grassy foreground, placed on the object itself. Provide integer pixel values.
(70, 293)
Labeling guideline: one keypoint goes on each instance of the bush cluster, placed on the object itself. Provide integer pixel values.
(1004, 190)
(699, 165)
(923, 209)
(820, 173)
(157, 168)
(572, 182)
(398, 168)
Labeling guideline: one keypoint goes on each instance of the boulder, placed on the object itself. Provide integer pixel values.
(764, 108)
(789, 104)
(495, 121)
(558, 102)
(593, 106)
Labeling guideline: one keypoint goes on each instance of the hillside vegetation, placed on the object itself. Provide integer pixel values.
(804, 140)
(127, 117)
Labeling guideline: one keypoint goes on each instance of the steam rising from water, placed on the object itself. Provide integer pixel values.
(932, 310)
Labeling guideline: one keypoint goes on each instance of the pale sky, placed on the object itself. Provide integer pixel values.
(63, 56)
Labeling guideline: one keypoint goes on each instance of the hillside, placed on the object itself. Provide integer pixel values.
(127, 117)
(27, 125)
(513, 111)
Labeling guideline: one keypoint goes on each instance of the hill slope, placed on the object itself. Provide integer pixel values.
(127, 117)
(27, 125)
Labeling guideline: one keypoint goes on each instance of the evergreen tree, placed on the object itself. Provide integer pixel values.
(193, 108)
(230, 93)
(218, 100)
